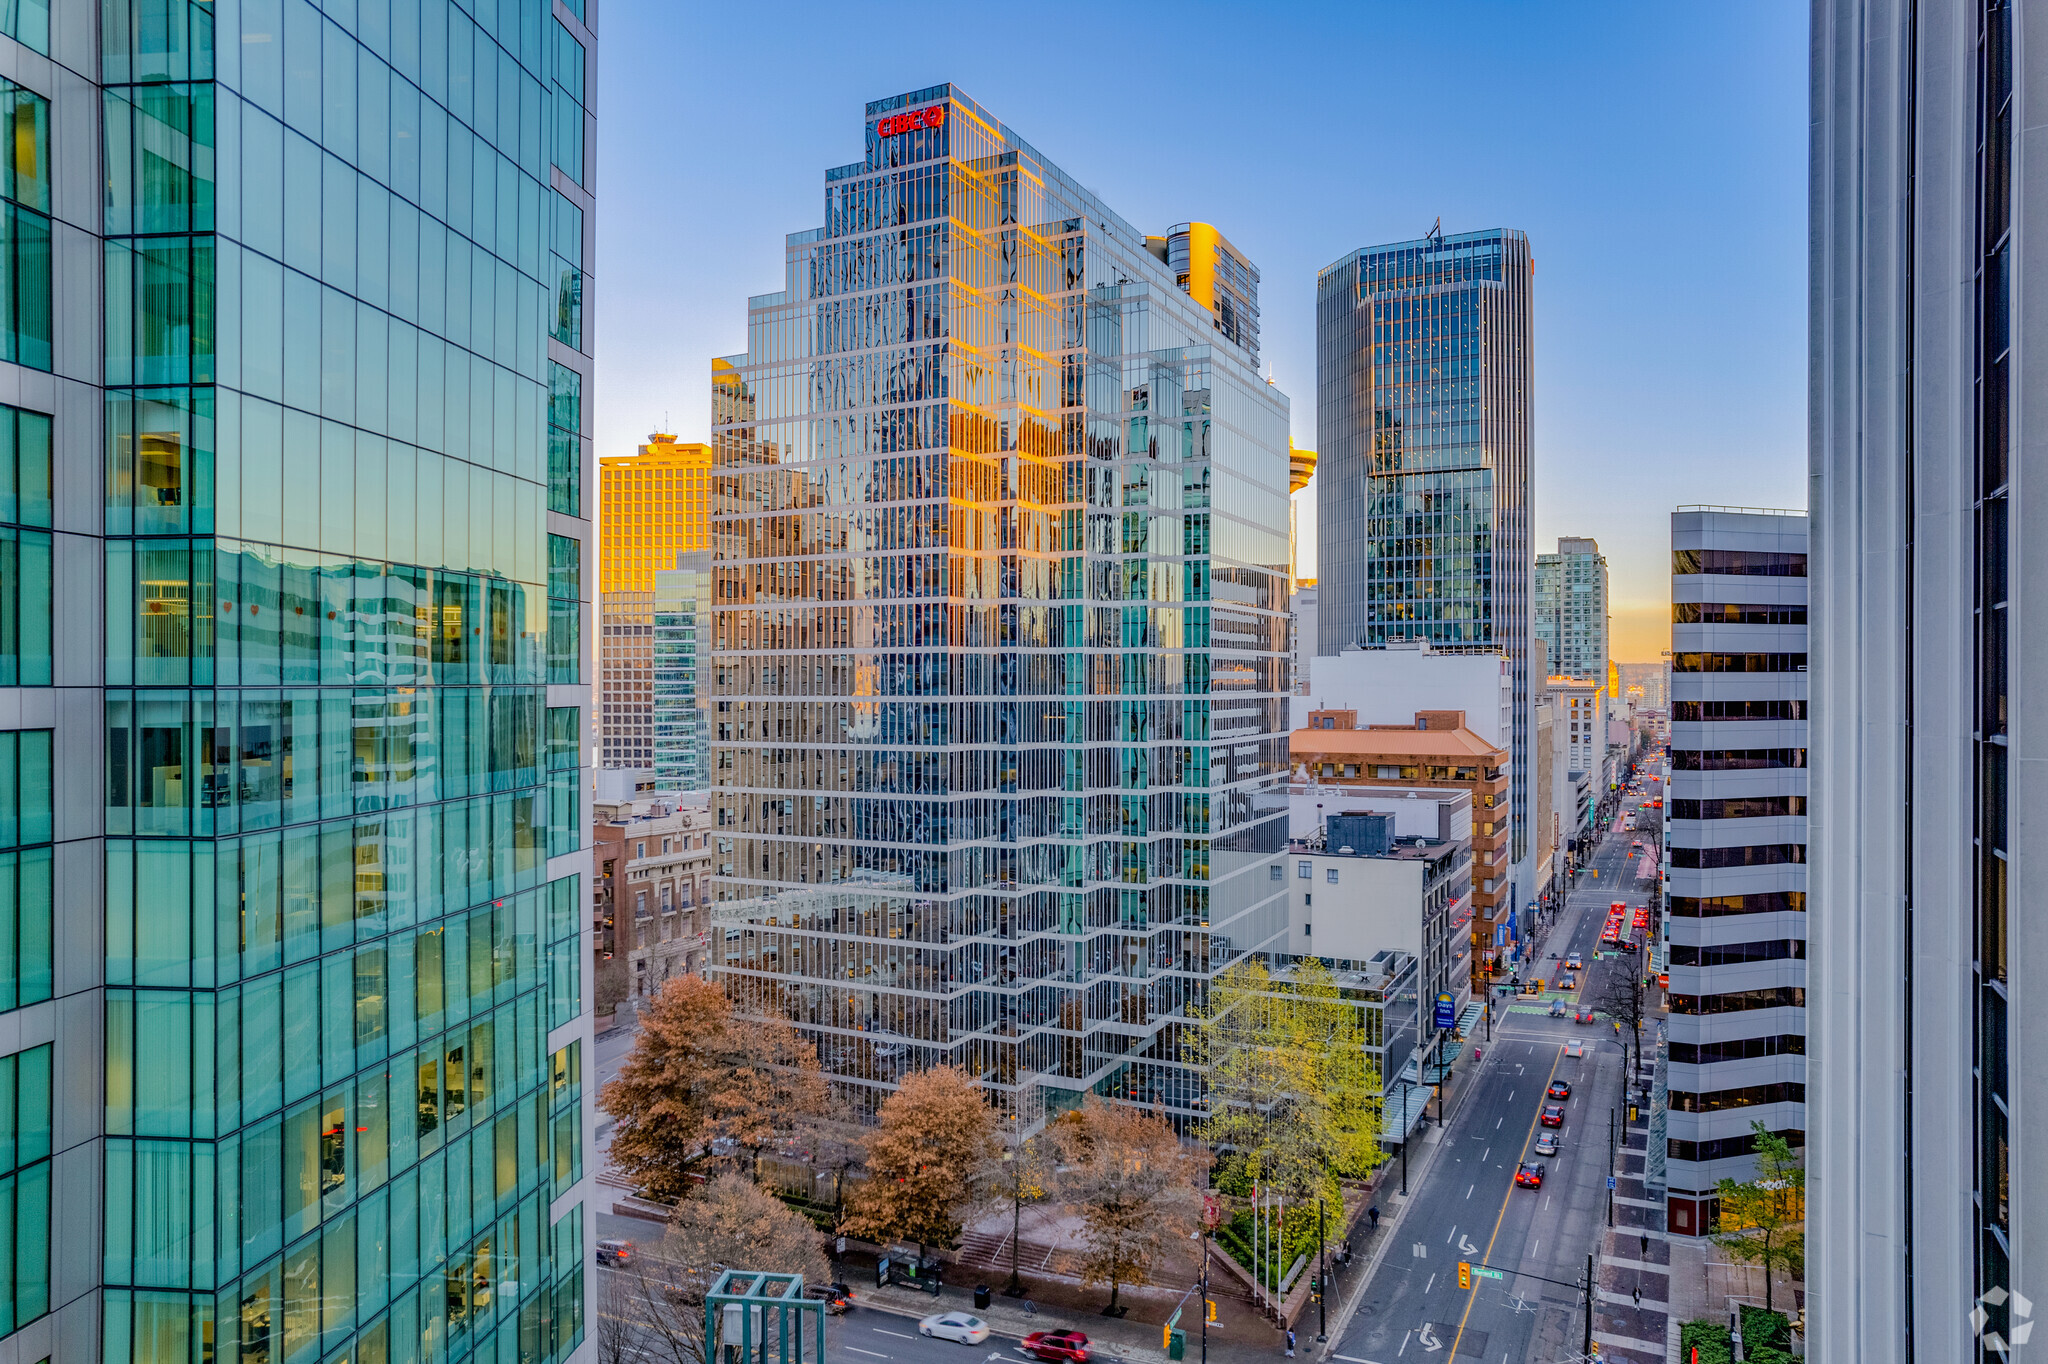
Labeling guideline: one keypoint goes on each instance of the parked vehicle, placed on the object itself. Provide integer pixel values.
(613, 1253)
(1057, 1347)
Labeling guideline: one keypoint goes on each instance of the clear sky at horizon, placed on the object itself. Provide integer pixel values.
(1655, 155)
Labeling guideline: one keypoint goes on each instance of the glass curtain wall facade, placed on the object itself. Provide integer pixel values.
(999, 649)
(1424, 355)
(289, 897)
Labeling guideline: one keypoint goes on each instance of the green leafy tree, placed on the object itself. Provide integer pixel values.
(1762, 1221)
(1294, 1102)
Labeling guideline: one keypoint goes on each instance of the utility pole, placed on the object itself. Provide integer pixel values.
(1205, 1291)
(1610, 1167)
(1587, 1348)
(1404, 1136)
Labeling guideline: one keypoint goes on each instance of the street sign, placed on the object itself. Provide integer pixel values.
(1610, 1181)
(1488, 1273)
(1446, 1011)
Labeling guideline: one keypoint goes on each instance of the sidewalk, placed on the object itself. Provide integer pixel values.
(1635, 1258)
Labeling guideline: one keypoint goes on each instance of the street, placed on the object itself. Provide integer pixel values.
(1469, 1208)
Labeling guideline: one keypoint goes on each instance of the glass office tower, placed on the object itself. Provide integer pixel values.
(681, 646)
(289, 797)
(1424, 352)
(999, 650)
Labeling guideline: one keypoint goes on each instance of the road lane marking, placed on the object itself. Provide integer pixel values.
(898, 1334)
(1469, 1188)
(857, 1350)
(1351, 1359)
(1497, 1122)
(1431, 1284)
(1472, 1297)
(1449, 1234)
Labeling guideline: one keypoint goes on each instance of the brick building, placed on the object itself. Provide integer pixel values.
(1436, 750)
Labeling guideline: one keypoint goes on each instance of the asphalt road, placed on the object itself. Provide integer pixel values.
(1469, 1207)
(861, 1336)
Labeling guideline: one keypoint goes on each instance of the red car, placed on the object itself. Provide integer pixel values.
(1560, 1089)
(1552, 1116)
(1530, 1175)
(1060, 1347)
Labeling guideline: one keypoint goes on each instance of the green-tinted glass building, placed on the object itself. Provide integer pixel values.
(292, 669)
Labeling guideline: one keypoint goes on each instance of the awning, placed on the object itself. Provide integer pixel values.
(1470, 1019)
(1396, 1122)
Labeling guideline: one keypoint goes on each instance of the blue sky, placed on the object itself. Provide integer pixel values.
(1655, 154)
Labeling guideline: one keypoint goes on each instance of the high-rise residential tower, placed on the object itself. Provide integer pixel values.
(291, 848)
(1000, 632)
(654, 505)
(1424, 352)
(1735, 930)
(1928, 1215)
(1572, 614)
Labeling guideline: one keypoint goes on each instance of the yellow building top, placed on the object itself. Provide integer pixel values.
(652, 506)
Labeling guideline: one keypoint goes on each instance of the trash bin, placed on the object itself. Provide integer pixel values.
(981, 1295)
(1177, 1344)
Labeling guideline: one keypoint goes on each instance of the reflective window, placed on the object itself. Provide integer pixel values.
(26, 831)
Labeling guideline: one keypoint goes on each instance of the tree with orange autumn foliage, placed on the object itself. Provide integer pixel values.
(698, 1074)
(927, 1164)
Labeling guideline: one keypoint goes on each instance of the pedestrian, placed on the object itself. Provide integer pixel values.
(1290, 1342)
(1374, 1213)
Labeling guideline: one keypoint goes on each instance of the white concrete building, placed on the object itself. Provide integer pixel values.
(1736, 831)
(1927, 1195)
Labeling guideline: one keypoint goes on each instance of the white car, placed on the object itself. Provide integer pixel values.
(955, 1326)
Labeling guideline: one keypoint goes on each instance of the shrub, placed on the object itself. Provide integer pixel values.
(1765, 1354)
(1764, 1328)
(1715, 1344)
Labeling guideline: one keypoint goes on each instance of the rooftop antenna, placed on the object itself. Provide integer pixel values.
(1436, 231)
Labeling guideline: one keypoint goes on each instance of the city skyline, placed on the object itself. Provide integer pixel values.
(1700, 156)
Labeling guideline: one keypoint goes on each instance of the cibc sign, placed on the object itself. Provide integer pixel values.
(929, 117)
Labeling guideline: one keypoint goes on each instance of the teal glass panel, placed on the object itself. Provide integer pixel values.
(25, 159)
(565, 440)
(159, 40)
(25, 308)
(27, 22)
(159, 147)
(160, 461)
(26, 829)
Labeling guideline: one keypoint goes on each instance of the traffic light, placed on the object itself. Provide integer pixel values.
(1464, 1273)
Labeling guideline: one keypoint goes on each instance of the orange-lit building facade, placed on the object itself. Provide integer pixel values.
(652, 506)
(1000, 627)
(1435, 751)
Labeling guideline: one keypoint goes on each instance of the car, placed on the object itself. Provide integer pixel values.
(614, 1253)
(1529, 1174)
(1585, 1016)
(1568, 983)
(1557, 1008)
(1560, 1089)
(1060, 1347)
(1575, 962)
(837, 1297)
(1575, 1048)
(1546, 1144)
(1637, 844)
(1552, 1115)
(955, 1326)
